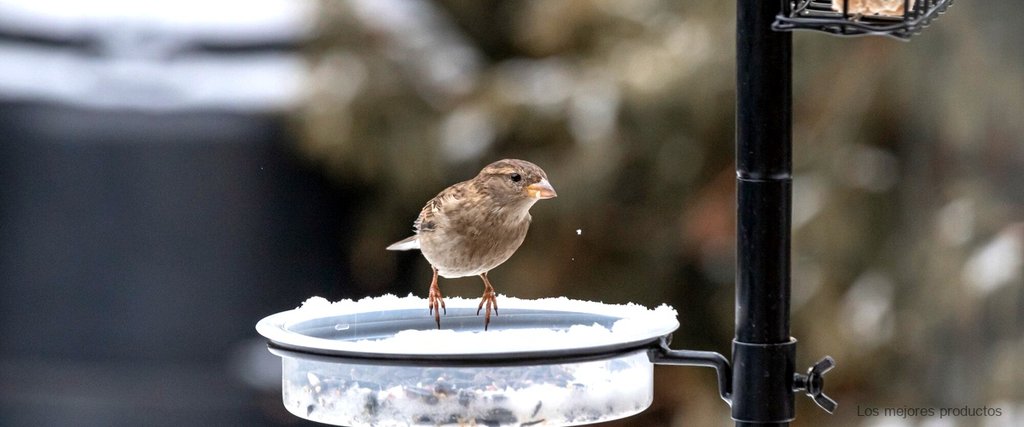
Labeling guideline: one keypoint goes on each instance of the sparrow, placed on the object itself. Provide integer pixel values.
(472, 227)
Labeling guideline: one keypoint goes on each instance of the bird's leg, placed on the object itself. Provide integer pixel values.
(489, 299)
(434, 300)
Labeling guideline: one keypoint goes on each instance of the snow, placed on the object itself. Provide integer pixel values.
(635, 323)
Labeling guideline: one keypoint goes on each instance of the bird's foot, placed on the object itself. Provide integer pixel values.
(436, 305)
(434, 301)
(488, 300)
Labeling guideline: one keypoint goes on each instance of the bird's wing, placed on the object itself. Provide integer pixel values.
(408, 243)
(425, 220)
(434, 211)
(424, 223)
(428, 218)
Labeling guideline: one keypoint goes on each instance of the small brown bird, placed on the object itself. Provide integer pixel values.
(474, 226)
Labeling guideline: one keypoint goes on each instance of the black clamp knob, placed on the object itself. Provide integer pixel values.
(814, 384)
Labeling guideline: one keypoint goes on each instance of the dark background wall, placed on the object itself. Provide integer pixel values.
(137, 251)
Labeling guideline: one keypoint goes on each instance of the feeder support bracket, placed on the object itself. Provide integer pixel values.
(662, 355)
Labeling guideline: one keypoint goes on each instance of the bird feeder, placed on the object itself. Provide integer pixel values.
(900, 19)
(329, 372)
(764, 353)
(379, 361)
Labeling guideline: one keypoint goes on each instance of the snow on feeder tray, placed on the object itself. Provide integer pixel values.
(379, 362)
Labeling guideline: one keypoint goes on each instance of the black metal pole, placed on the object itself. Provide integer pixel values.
(763, 351)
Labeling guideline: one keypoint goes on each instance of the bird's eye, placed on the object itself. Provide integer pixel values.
(515, 177)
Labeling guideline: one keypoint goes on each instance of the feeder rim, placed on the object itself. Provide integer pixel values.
(526, 358)
(310, 332)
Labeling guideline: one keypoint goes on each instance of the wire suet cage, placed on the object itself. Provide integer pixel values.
(900, 19)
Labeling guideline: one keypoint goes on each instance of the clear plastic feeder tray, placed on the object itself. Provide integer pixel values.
(354, 394)
(382, 362)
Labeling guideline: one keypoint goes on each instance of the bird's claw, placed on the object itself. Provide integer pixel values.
(436, 305)
(489, 300)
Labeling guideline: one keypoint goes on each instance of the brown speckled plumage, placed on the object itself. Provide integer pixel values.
(476, 225)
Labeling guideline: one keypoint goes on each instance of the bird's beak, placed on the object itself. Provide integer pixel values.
(541, 190)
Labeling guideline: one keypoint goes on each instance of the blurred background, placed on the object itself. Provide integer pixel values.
(172, 172)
